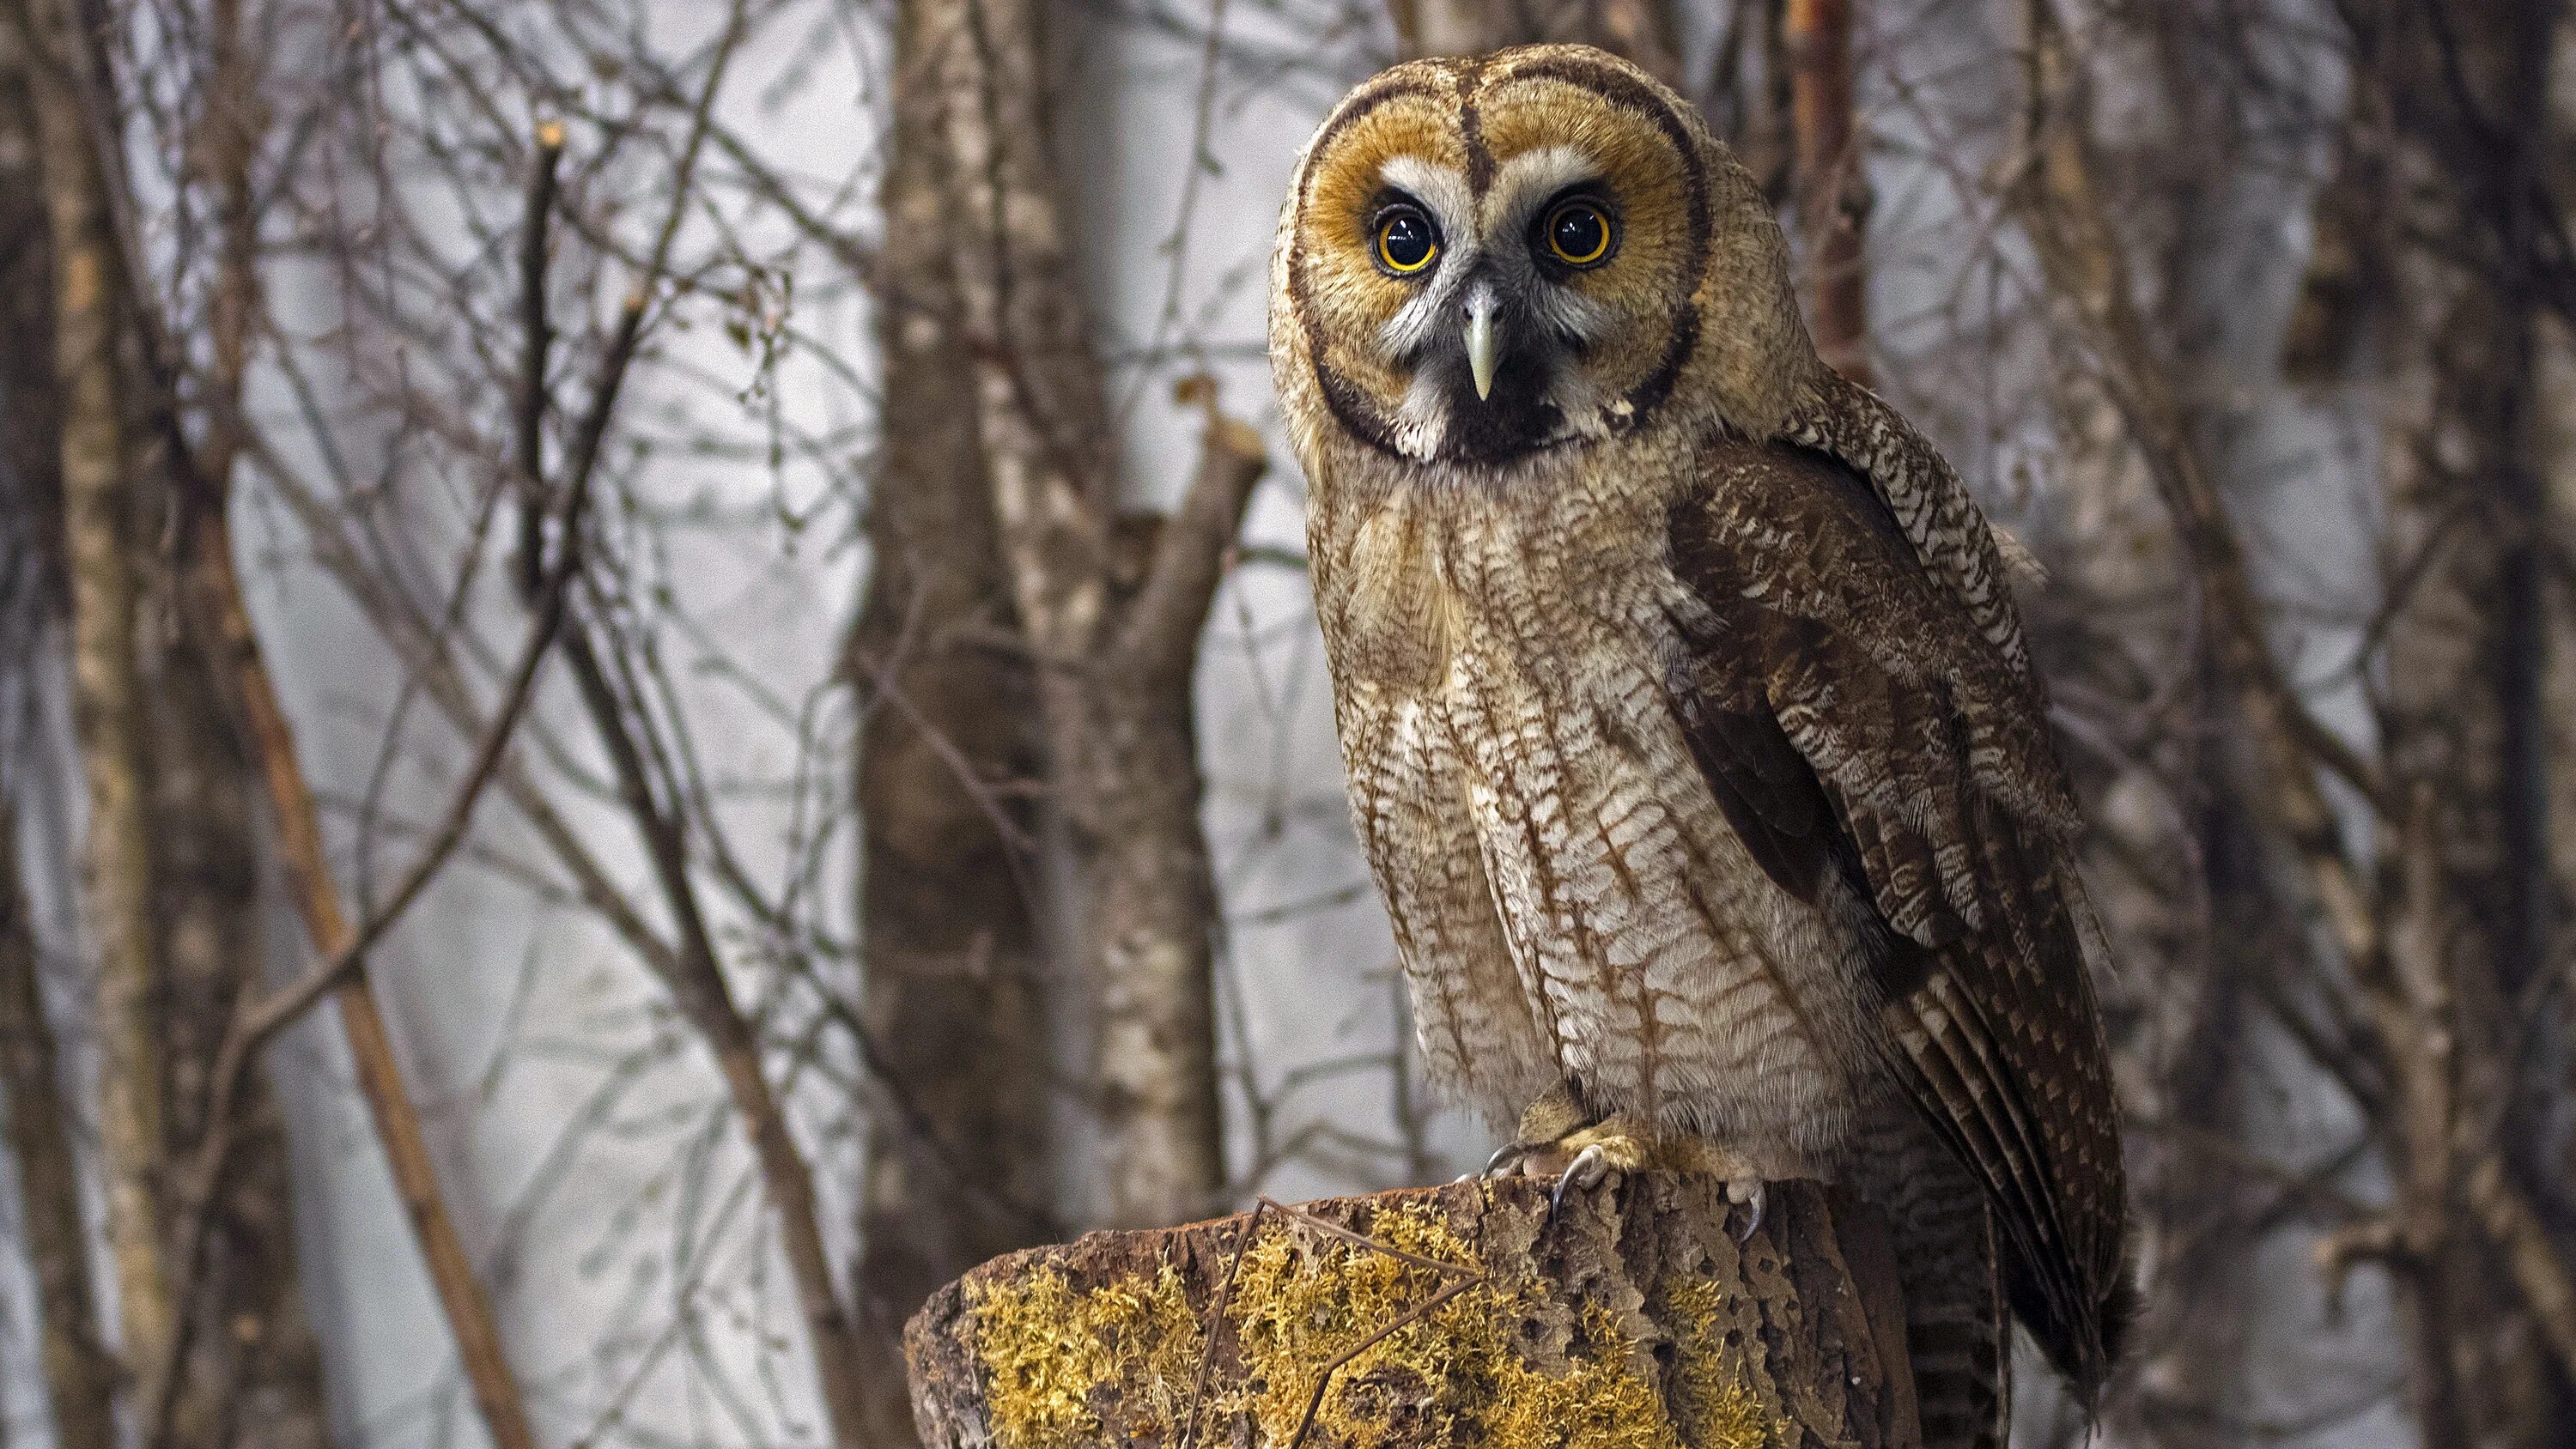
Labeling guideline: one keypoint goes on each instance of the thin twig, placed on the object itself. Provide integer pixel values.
(696, 978)
(344, 950)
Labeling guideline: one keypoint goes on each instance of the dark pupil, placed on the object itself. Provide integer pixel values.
(1578, 231)
(1408, 241)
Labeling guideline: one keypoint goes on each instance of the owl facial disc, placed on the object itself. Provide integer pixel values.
(1487, 259)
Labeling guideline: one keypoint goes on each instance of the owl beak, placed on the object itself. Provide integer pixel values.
(1480, 341)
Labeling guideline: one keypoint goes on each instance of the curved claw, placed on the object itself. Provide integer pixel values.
(1589, 1169)
(1753, 1195)
(1505, 1158)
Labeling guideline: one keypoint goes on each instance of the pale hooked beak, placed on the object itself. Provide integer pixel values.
(1480, 341)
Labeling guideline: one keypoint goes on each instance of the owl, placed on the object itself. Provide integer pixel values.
(1691, 736)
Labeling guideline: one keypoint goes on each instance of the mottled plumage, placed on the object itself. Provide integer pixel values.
(1690, 732)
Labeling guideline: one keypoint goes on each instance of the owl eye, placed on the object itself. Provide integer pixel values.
(1579, 233)
(1406, 241)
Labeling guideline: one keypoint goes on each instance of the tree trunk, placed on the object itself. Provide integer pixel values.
(254, 1372)
(2454, 99)
(1114, 664)
(79, 1373)
(80, 1376)
(1436, 1316)
(957, 1167)
(101, 526)
(1832, 194)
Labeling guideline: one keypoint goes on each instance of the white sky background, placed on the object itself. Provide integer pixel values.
(583, 1142)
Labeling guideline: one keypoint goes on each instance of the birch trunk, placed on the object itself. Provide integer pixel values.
(79, 1374)
(101, 517)
(1114, 665)
(36, 1122)
(957, 1167)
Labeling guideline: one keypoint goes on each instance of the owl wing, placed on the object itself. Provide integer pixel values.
(1852, 715)
(1922, 496)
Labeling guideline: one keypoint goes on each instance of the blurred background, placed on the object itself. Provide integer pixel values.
(652, 693)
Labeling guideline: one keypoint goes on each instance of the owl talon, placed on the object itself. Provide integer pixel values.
(1506, 1160)
(1590, 1168)
(1752, 1193)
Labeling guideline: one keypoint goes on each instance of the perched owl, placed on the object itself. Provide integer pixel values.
(1691, 736)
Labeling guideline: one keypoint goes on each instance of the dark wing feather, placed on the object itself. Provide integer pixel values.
(1760, 780)
(1923, 771)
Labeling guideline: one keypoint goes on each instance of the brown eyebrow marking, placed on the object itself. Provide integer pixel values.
(1471, 125)
(1362, 101)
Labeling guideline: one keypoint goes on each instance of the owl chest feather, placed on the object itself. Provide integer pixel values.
(1501, 672)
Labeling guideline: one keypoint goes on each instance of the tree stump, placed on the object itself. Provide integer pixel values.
(1436, 1316)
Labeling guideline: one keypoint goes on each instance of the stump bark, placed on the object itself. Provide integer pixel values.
(1454, 1315)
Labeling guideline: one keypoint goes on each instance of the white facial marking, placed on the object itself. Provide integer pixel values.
(1440, 188)
(1529, 180)
(1443, 192)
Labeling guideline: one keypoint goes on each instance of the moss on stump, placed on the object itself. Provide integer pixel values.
(1636, 1321)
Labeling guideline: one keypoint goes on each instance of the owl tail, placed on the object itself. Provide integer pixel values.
(1958, 1324)
(1959, 1334)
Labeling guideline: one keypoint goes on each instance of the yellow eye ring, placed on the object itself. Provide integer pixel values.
(1579, 233)
(1406, 241)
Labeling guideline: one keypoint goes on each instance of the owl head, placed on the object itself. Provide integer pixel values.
(1482, 259)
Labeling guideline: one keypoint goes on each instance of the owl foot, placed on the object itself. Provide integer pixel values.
(1542, 1145)
(1599, 1152)
(1590, 1168)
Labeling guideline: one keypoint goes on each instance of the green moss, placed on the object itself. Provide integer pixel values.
(1505, 1364)
(1051, 1352)
(1710, 1391)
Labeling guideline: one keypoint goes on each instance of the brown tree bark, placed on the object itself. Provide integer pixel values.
(102, 517)
(952, 995)
(79, 1372)
(253, 1374)
(1831, 194)
(1451, 1316)
(1641, 30)
(2454, 103)
(1114, 665)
